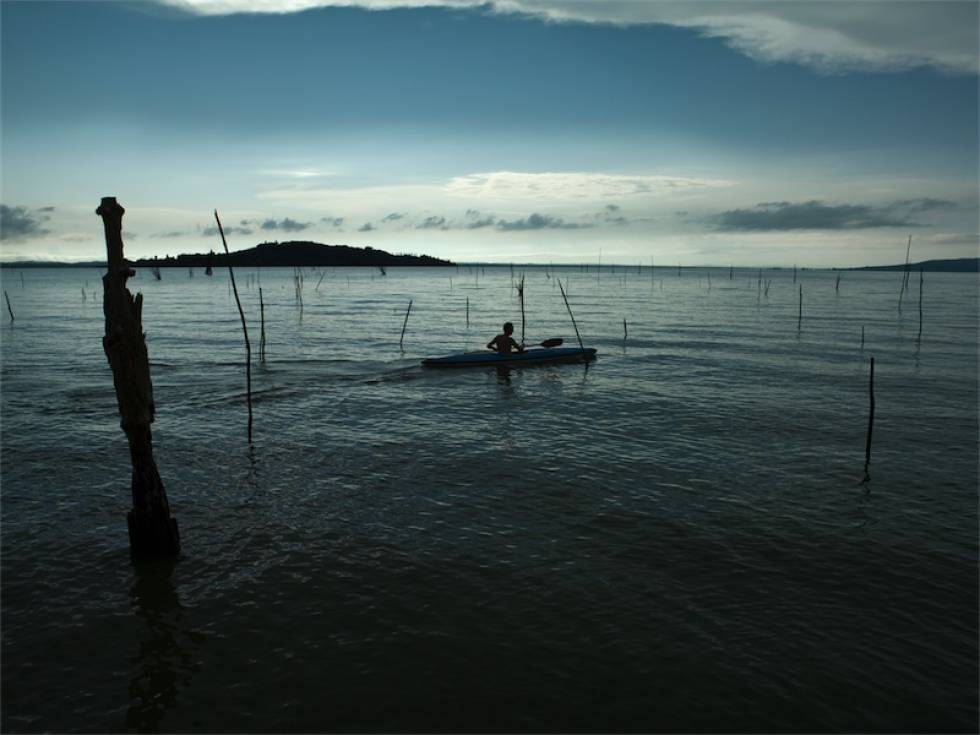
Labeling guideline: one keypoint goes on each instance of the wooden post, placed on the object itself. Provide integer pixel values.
(405, 324)
(11, 311)
(799, 321)
(871, 421)
(241, 313)
(520, 292)
(152, 530)
(920, 304)
(579, 336)
(262, 333)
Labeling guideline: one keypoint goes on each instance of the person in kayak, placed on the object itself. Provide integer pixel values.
(504, 343)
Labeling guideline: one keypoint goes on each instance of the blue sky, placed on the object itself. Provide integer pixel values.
(752, 133)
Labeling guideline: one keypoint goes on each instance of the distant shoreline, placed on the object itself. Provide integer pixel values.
(957, 265)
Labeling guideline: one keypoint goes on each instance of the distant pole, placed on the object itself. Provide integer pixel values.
(520, 293)
(152, 530)
(11, 311)
(241, 313)
(467, 311)
(871, 421)
(799, 321)
(405, 324)
(920, 303)
(262, 333)
(624, 330)
(862, 336)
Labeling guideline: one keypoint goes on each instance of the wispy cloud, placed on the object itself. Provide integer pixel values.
(818, 215)
(570, 186)
(20, 223)
(366, 227)
(212, 231)
(829, 36)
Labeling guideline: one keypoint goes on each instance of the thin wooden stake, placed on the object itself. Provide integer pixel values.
(624, 330)
(467, 311)
(862, 336)
(405, 324)
(241, 313)
(571, 315)
(799, 321)
(871, 421)
(520, 293)
(11, 311)
(920, 303)
(262, 333)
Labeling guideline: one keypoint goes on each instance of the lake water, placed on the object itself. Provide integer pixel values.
(673, 538)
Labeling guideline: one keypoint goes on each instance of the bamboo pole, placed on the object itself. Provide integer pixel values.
(520, 293)
(241, 313)
(920, 303)
(871, 421)
(405, 324)
(262, 333)
(799, 321)
(467, 311)
(153, 531)
(11, 311)
(579, 336)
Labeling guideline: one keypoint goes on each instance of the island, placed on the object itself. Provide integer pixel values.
(295, 253)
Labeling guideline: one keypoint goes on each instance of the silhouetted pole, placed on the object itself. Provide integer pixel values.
(241, 313)
(871, 421)
(579, 336)
(11, 311)
(520, 292)
(152, 530)
(405, 324)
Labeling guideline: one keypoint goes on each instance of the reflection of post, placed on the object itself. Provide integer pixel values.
(152, 532)
(165, 660)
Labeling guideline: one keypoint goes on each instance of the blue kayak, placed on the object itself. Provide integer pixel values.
(528, 357)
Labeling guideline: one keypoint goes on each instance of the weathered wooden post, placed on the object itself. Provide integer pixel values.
(152, 530)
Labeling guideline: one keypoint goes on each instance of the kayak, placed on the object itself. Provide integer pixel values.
(528, 357)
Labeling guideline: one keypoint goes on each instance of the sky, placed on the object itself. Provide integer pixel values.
(819, 134)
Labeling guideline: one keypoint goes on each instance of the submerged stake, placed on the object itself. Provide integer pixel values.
(405, 323)
(871, 421)
(241, 313)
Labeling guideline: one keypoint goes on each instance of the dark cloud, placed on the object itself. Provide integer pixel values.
(366, 227)
(393, 217)
(286, 224)
(475, 220)
(233, 230)
(432, 223)
(537, 221)
(610, 215)
(173, 233)
(45, 209)
(18, 223)
(333, 221)
(817, 215)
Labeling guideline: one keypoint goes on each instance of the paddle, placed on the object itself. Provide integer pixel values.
(553, 342)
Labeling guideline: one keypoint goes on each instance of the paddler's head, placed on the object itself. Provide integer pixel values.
(508, 328)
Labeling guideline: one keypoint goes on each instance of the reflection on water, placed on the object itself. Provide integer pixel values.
(167, 656)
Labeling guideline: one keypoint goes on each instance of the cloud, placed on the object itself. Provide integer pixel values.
(475, 220)
(828, 36)
(286, 224)
(432, 223)
(232, 230)
(45, 209)
(817, 215)
(393, 217)
(537, 221)
(175, 233)
(566, 186)
(19, 223)
(366, 227)
(610, 215)
(333, 221)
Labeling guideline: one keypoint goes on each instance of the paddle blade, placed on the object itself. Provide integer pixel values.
(553, 342)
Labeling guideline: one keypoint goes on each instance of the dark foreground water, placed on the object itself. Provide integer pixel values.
(675, 538)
